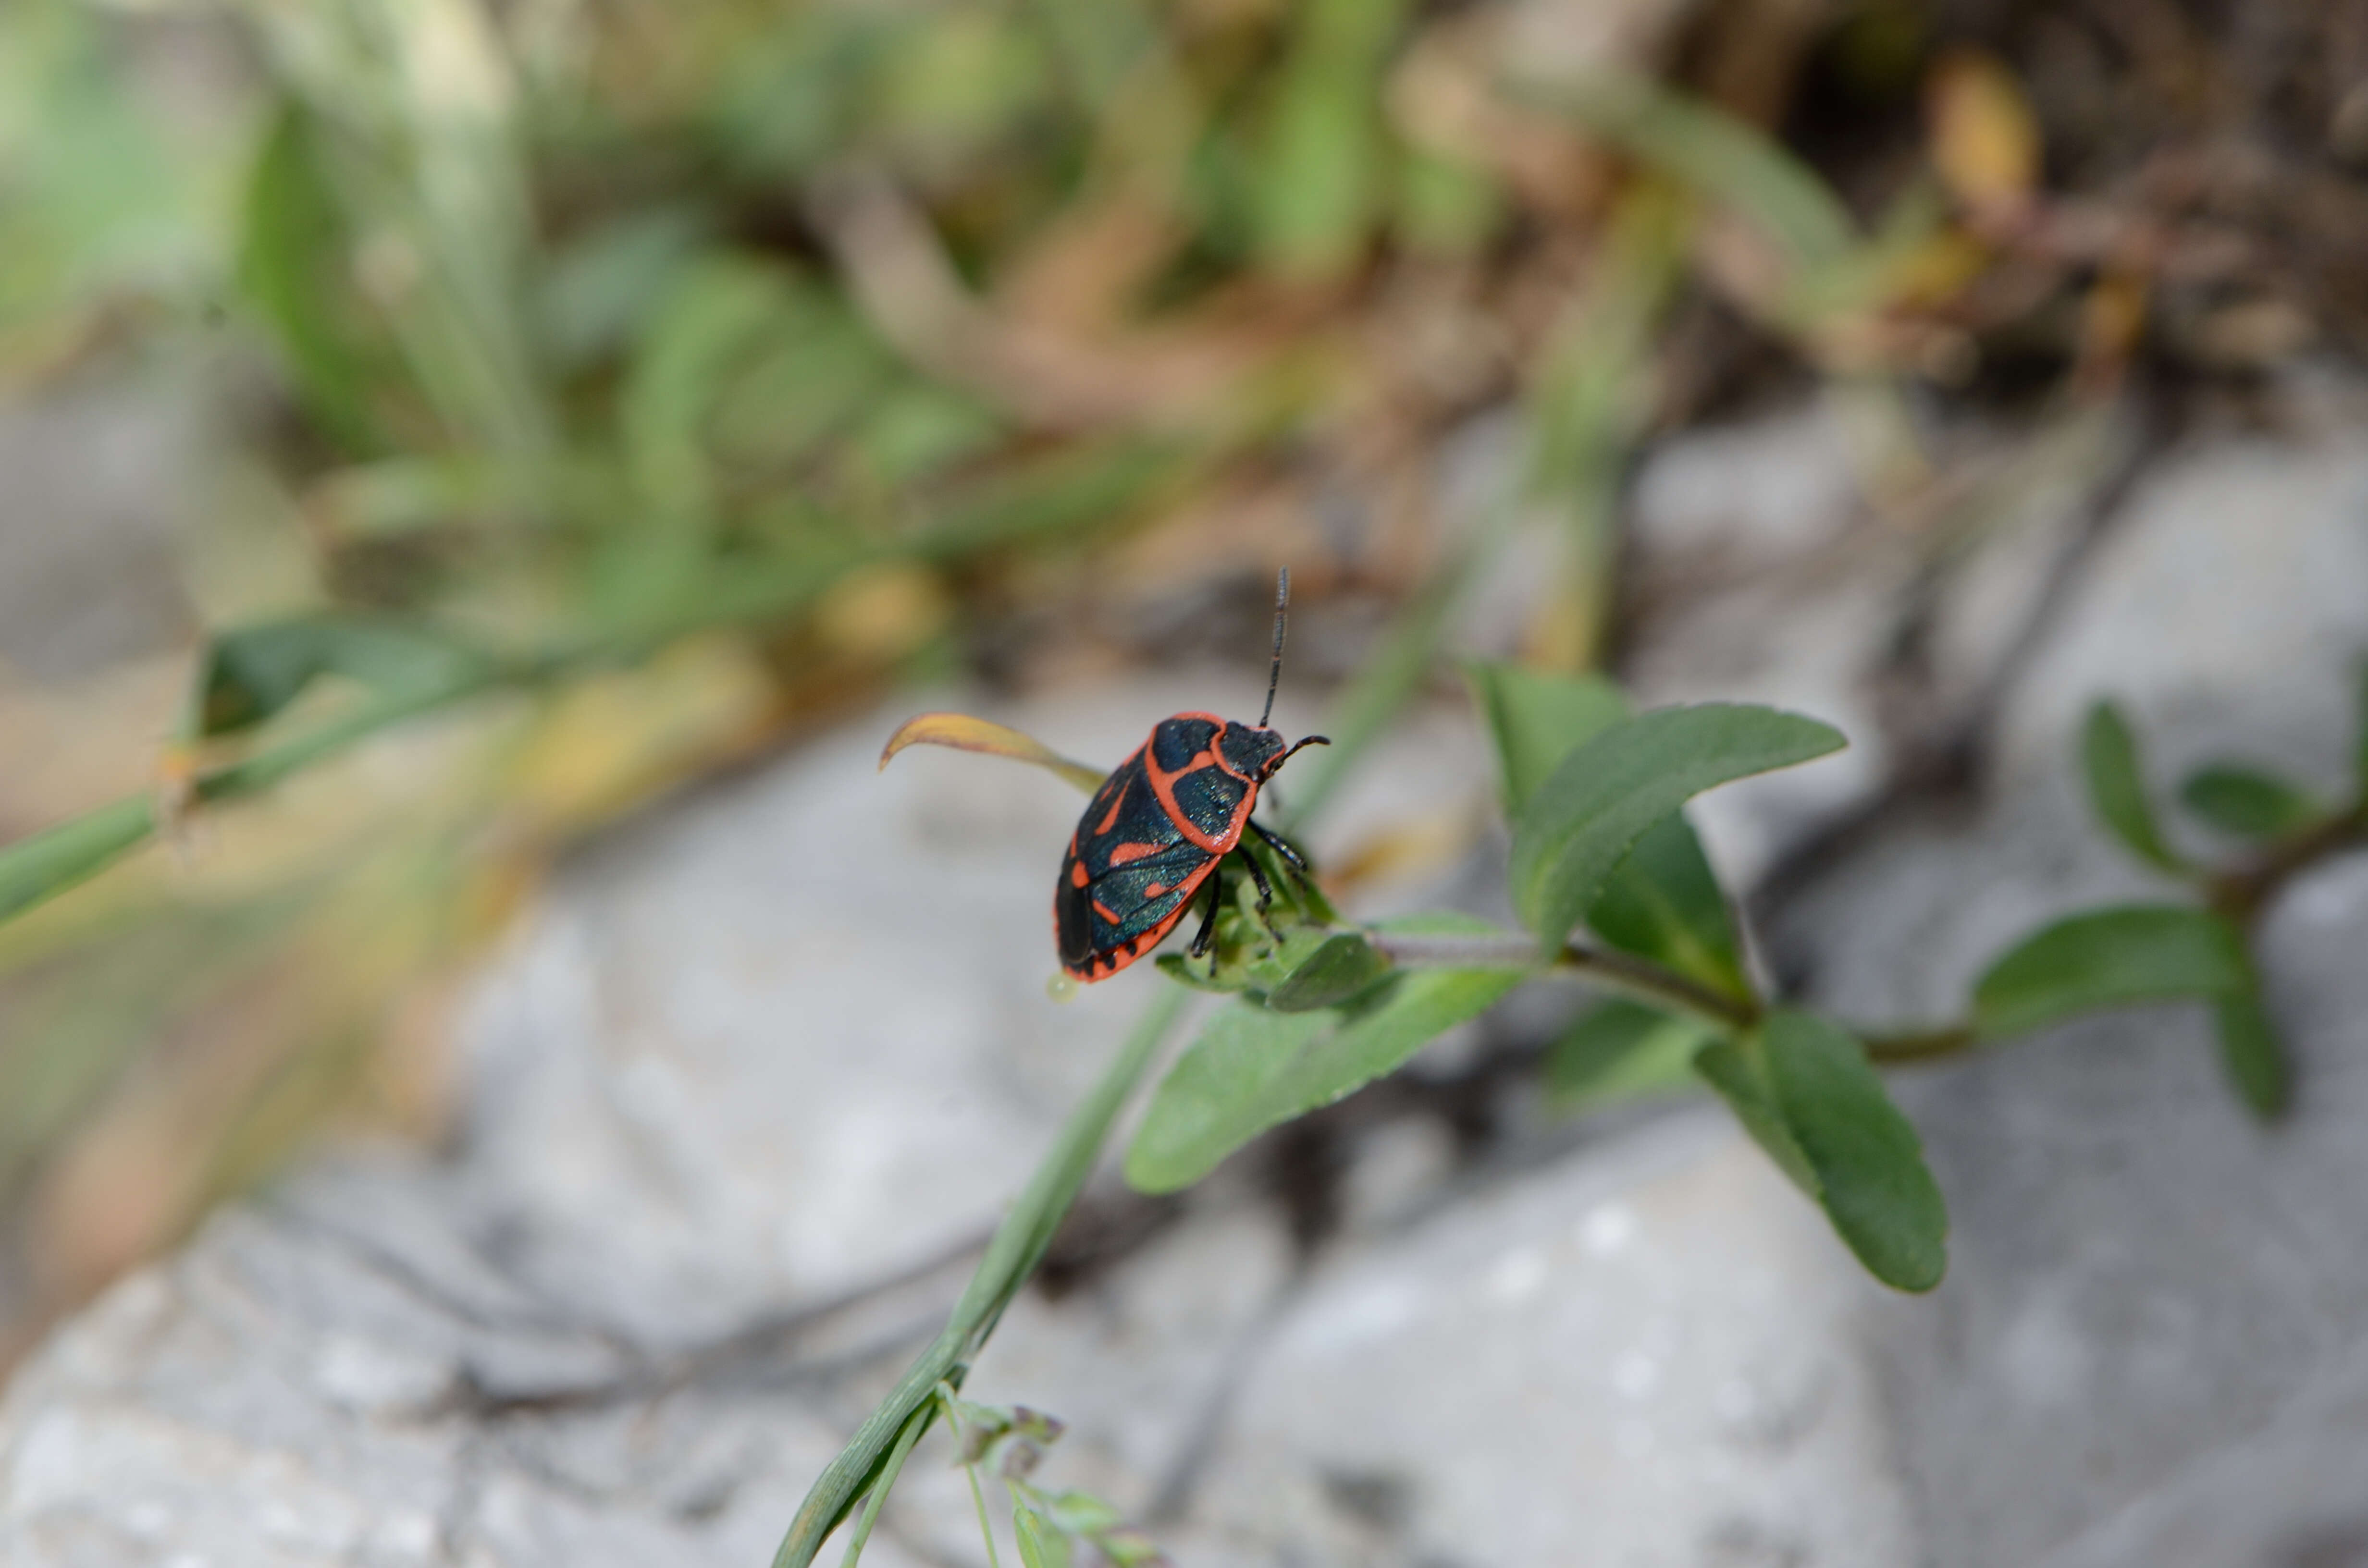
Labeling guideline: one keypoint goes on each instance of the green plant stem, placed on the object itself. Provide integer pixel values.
(877, 1496)
(2240, 894)
(985, 1524)
(1614, 971)
(37, 868)
(1918, 1045)
(1019, 1245)
(40, 867)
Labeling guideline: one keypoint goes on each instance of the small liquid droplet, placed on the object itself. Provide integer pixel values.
(1062, 987)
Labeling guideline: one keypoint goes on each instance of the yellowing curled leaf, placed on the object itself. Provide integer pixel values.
(963, 733)
(1984, 139)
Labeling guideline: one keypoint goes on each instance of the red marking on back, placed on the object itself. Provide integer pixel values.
(1126, 852)
(1162, 787)
(1077, 873)
(1105, 912)
(1102, 964)
(1155, 889)
(1118, 795)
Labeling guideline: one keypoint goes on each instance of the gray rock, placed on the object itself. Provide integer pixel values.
(1646, 1355)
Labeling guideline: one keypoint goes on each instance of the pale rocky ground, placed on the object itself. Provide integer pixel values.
(765, 1066)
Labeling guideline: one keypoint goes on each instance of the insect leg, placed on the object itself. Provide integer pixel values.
(1266, 894)
(1284, 847)
(1208, 932)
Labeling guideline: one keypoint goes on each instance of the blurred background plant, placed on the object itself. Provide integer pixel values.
(596, 396)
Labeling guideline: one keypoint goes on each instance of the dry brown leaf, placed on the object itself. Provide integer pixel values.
(1984, 138)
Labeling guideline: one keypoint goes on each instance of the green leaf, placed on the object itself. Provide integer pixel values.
(1082, 1512)
(1737, 1070)
(2359, 743)
(721, 313)
(1186, 970)
(295, 265)
(1252, 1069)
(1041, 1544)
(1233, 1083)
(2252, 1055)
(1807, 1095)
(2116, 775)
(1870, 1179)
(1608, 794)
(251, 673)
(1662, 901)
(1344, 967)
(48, 863)
(1729, 159)
(1619, 1049)
(1128, 1547)
(599, 290)
(2247, 802)
(1537, 719)
(1321, 170)
(2110, 958)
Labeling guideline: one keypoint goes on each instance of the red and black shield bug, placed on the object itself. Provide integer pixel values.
(1160, 825)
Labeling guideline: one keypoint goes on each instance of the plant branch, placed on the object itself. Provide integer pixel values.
(2241, 894)
(1614, 971)
(36, 868)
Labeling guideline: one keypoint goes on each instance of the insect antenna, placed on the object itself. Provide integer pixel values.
(1274, 676)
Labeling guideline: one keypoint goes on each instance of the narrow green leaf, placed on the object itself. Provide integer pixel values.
(250, 673)
(2247, 802)
(1344, 967)
(1252, 1069)
(2359, 741)
(1619, 1049)
(48, 863)
(1729, 159)
(2116, 775)
(2253, 1056)
(1606, 794)
(598, 290)
(2109, 957)
(715, 316)
(1321, 173)
(295, 265)
(1128, 1547)
(1082, 1512)
(1041, 1544)
(1536, 719)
